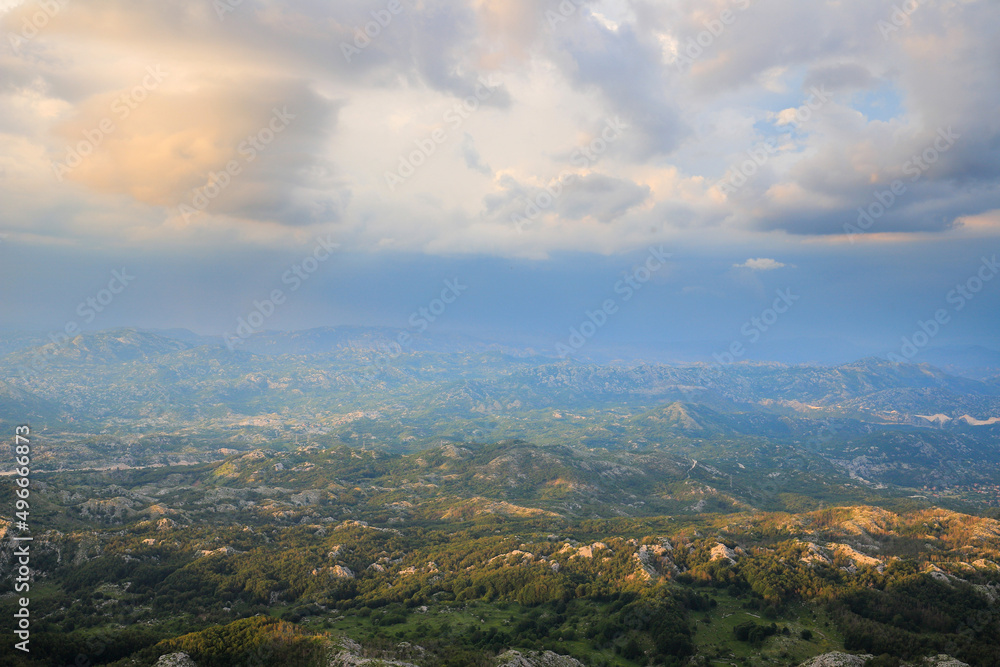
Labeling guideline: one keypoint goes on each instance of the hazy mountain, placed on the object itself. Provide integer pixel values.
(973, 361)
(331, 499)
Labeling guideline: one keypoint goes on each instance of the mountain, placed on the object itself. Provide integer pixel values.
(18, 406)
(974, 361)
(131, 397)
(105, 347)
(459, 555)
(322, 498)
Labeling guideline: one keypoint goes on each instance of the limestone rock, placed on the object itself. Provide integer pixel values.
(175, 660)
(536, 659)
(837, 659)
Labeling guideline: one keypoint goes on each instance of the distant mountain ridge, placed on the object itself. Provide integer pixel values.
(130, 397)
(973, 361)
(320, 361)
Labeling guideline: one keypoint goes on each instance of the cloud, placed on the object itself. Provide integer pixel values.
(840, 76)
(986, 224)
(575, 197)
(625, 66)
(603, 197)
(689, 129)
(175, 143)
(760, 264)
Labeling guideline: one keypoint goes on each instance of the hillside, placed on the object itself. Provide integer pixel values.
(135, 398)
(471, 551)
(316, 500)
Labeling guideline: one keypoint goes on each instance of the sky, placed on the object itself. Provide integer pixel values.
(733, 175)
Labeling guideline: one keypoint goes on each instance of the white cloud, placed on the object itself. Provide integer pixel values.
(760, 264)
(688, 128)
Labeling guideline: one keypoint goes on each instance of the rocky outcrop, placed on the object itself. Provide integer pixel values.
(814, 555)
(649, 557)
(175, 660)
(941, 660)
(335, 572)
(721, 552)
(536, 659)
(113, 509)
(310, 497)
(589, 551)
(857, 558)
(221, 551)
(347, 653)
(837, 659)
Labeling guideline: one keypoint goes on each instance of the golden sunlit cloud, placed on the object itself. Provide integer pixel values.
(158, 148)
